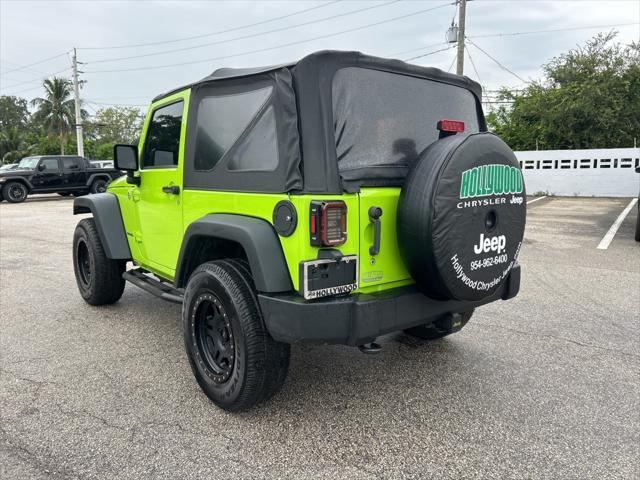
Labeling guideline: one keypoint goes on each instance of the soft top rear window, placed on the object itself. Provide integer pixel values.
(384, 120)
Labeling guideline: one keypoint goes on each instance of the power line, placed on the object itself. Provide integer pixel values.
(34, 63)
(455, 57)
(117, 104)
(27, 71)
(498, 63)
(513, 34)
(424, 47)
(260, 50)
(219, 32)
(473, 64)
(39, 79)
(21, 91)
(427, 54)
(244, 37)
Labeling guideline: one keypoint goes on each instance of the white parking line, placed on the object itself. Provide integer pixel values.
(606, 240)
(536, 199)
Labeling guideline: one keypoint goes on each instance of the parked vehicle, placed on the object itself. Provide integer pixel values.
(101, 163)
(329, 201)
(63, 174)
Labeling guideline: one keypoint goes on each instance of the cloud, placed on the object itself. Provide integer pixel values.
(32, 30)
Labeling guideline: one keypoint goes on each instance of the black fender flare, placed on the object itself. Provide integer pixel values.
(108, 217)
(258, 239)
(26, 182)
(93, 176)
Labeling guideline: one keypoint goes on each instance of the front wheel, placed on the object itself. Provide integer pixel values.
(234, 359)
(441, 327)
(99, 186)
(15, 192)
(99, 278)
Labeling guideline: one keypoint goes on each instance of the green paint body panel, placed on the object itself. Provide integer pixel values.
(155, 222)
(385, 270)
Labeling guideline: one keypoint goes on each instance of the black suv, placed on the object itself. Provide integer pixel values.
(63, 174)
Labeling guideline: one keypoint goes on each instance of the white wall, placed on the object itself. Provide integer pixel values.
(599, 173)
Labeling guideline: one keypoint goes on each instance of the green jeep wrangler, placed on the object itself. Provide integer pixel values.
(328, 201)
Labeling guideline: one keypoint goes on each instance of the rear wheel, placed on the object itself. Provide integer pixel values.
(99, 278)
(234, 359)
(15, 192)
(99, 185)
(441, 327)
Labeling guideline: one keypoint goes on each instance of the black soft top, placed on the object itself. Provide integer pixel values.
(335, 59)
(313, 158)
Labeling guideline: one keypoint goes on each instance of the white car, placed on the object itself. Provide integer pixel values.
(101, 163)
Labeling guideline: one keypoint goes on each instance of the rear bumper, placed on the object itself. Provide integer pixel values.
(360, 318)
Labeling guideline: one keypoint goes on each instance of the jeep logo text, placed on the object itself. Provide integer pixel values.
(493, 244)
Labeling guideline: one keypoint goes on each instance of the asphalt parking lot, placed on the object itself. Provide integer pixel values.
(544, 386)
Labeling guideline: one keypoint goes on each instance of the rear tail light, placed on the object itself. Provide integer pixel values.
(328, 223)
(451, 126)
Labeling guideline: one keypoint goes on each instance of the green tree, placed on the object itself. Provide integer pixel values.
(13, 112)
(56, 109)
(589, 98)
(14, 145)
(118, 124)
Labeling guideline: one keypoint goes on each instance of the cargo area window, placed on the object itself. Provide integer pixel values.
(162, 144)
(384, 120)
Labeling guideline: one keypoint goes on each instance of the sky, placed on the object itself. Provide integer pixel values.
(202, 35)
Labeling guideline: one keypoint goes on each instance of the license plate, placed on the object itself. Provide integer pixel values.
(322, 278)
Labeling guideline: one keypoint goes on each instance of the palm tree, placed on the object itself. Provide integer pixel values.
(13, 145)
(56, 110)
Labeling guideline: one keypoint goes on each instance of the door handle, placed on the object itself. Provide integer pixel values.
(172, 189)
(374, 217)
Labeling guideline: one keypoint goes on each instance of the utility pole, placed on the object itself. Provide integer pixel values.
(462, 5)
(76, 90)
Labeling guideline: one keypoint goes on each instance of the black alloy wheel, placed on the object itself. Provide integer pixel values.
(215, 342)
(234, 359)
(84, 263)
(15, 192)
(99, 186)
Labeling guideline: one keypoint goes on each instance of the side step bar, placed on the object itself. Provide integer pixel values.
(153, 286)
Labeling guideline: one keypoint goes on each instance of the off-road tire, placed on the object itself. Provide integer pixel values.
(15, 192)
(257, 366)
(99, 185)
(434, 330)
(99, 278)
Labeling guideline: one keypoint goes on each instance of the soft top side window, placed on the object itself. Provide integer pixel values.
(221, 122)
(162, 142)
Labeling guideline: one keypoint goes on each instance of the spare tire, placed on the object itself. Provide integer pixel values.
(461, 217)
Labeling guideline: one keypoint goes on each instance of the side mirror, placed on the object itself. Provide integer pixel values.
(125, 157)
(41, 167)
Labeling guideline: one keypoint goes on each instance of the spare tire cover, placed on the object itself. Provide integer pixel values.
(461, 217)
